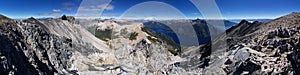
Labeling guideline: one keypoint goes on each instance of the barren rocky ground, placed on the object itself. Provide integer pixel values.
(256, 48)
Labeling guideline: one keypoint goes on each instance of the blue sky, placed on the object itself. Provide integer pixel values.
(230, 9)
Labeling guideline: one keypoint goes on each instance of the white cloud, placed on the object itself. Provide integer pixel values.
(93, 8)
(110, 15)
(150, 18)
(109, 7)
(96, 7)
(56, 10)
(49, 14)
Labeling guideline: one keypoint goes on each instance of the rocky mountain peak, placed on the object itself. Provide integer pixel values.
(32, 19)
(287, 21)
(68, 18)
(3, 17)
(291, 16)
(244, 21)
(28, 48)
(295, 13)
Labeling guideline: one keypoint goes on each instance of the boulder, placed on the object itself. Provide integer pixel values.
(228, 61)
(283, 33)
(257, 48)
(241, 55)
(282, 42)
(294, 58)
(247, 66)
(273, 43)
(272, 35)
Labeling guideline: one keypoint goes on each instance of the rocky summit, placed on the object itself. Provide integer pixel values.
(255, 48)
(111, 47)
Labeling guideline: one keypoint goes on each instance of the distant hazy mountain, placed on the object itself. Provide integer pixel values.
(249, 20)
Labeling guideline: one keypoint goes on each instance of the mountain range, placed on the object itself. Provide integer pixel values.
(67, 45)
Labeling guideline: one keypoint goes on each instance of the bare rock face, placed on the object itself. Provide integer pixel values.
(28, 47)
(19, 55)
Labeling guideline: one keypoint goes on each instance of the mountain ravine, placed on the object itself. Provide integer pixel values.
(108, 47)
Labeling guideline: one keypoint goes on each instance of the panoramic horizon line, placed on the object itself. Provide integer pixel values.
(103, 17)
(140, 18)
